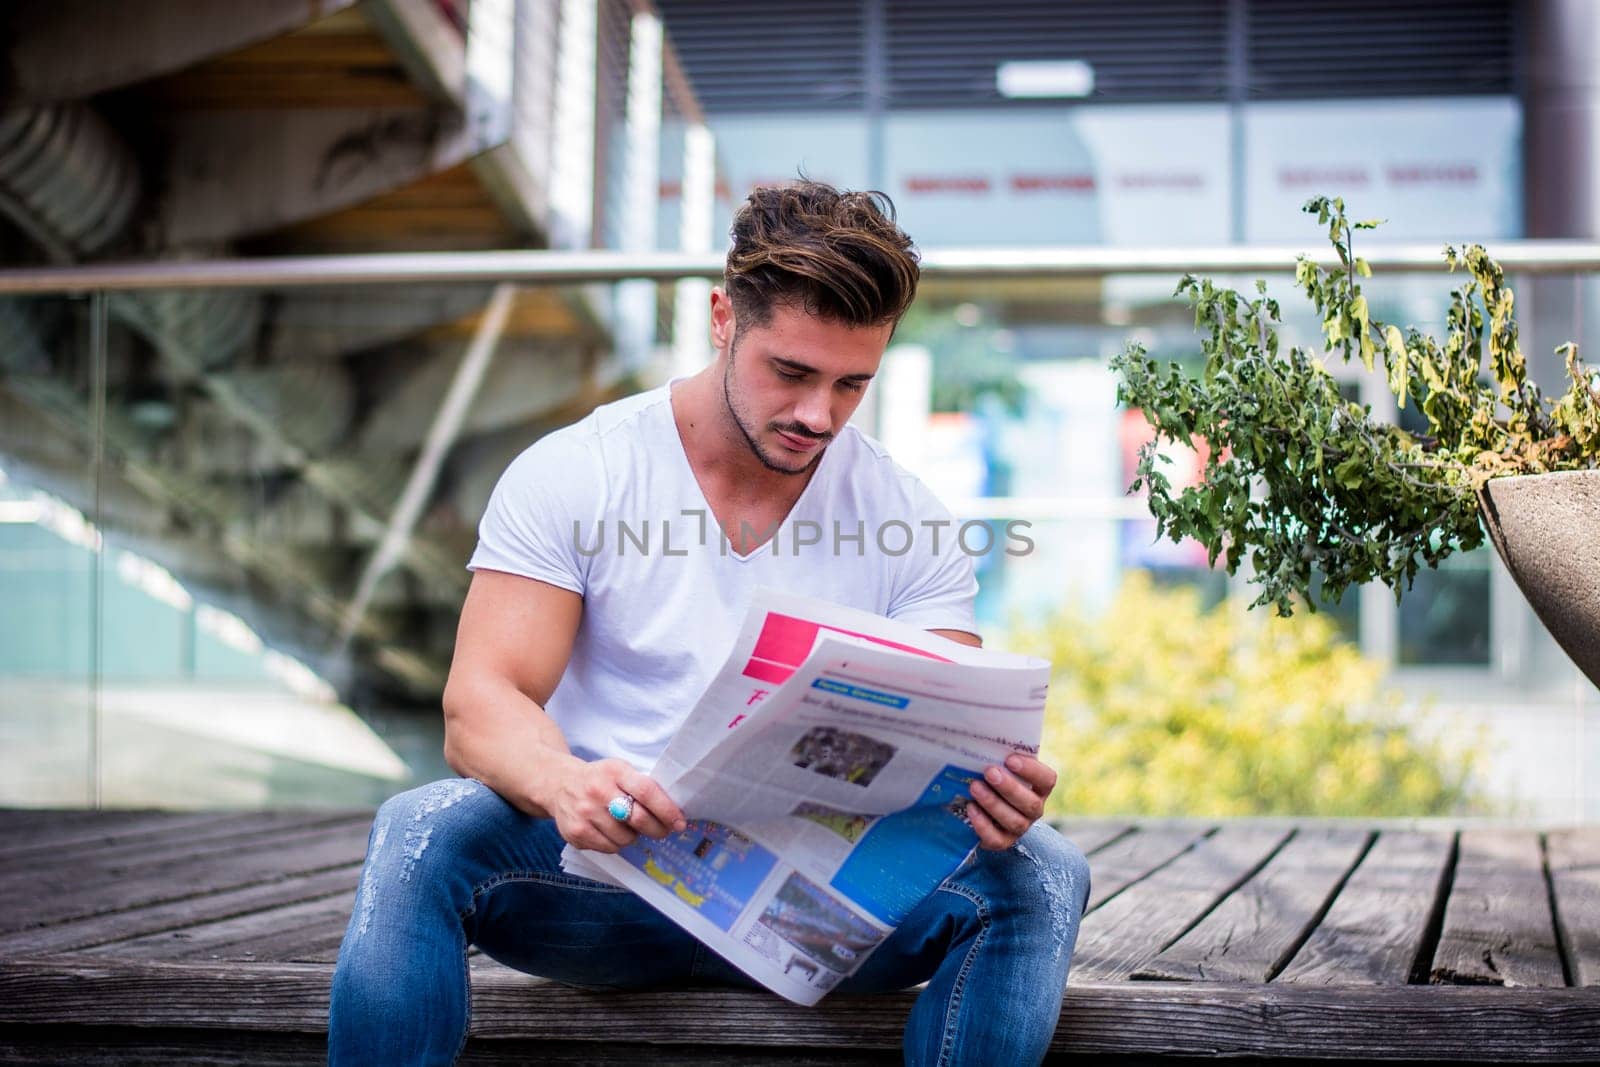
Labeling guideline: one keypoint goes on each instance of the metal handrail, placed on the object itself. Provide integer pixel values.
(538, 267)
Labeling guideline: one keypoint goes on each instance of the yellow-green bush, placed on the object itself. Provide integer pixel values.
(1159, 707)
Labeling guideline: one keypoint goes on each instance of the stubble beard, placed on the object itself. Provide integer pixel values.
(750, 438)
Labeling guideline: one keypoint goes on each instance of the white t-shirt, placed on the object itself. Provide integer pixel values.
(610, 509)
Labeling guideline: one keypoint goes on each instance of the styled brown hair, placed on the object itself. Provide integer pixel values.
(839, 255)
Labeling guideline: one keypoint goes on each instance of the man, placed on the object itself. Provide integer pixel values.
(580, 651)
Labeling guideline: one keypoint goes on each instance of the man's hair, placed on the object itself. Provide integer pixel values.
(838, 255)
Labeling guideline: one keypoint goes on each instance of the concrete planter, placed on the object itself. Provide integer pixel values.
(1547, 530)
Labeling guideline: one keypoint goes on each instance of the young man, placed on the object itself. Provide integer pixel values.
(580, 650)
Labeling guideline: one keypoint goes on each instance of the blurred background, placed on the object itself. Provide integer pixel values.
(234, 516)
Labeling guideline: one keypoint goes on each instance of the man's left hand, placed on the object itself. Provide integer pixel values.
(1008, 800)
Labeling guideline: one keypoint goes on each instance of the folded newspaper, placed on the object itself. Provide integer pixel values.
(825, 775)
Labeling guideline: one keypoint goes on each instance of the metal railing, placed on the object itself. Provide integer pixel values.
(574, 268)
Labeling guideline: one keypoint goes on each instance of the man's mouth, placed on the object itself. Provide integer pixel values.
(797, 443)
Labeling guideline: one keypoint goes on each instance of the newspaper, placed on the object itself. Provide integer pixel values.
(825, 777)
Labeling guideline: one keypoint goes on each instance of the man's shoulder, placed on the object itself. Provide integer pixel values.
(869, 463)
(631, 415)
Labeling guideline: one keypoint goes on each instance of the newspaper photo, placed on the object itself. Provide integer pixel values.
(825, 774)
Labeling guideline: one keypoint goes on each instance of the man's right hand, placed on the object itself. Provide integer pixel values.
(579, 795)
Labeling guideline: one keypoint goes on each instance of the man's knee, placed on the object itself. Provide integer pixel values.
(1043, 878)
(433, 799)
(1051, 852)
(422, 827)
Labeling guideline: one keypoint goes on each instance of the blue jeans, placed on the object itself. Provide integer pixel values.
(452, 864)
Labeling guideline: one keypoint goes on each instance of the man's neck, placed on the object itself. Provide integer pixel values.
(718, 452)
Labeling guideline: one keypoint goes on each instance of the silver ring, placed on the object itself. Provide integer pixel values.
(621, 807)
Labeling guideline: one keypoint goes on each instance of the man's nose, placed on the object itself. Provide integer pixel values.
(815, 412)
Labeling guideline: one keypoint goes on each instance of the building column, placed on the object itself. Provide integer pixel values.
(1561, 119)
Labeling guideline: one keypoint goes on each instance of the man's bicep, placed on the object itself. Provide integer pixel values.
(516, 628)
(960, 637)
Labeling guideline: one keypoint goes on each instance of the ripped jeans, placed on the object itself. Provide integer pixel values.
(452, 864)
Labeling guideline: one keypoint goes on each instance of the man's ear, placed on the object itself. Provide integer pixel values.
(722, 321)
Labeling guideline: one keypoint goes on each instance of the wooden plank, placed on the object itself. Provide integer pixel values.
(1128, 859)
(1134, 926)
(1574, 857)
(119, 1046)
(79, 827)
(1091, 835)
(267, 934)
(1498, 929)
(159, 918)
(14, 818)
(62, 895)
(1435, 1023)
(161, 843)
(85, 868)
(159, 835)
(312, 946)
(1375, 930)
(1251, 934)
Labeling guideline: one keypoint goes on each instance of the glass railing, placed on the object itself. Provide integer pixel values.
(234, 516)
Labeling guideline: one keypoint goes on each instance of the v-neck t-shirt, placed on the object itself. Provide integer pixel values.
(609, 508)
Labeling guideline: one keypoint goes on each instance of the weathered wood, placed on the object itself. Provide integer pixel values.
(1433, 1023)
(1160, 887)
(121, 1046)
(16, 818)
(1251, 934)
(1138, 923)
(268, 934)
(1376, 928)
(1498, 929)
(246, 832)
(1168, 1018)
(1574, 857)
(1130, 858)
(160, 918)
(58, 896)
(25, 832)
(1091, 835)
(310, 946)
(155, 842)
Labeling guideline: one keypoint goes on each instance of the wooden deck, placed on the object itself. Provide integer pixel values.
(164, 937)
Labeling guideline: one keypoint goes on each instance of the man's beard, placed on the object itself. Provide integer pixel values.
(750, 437)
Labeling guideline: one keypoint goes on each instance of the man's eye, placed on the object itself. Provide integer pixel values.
(789, 375)
(854, 387)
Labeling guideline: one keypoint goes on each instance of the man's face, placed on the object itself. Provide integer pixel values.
(791, 384)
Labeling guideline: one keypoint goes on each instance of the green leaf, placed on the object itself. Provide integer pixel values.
(1358, 311)
(1350, 473)
(1396, 343)
(1399, 376)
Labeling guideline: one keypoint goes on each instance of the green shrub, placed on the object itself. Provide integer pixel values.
(1160, 707)
(1309, 486)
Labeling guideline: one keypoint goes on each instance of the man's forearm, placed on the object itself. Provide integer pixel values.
(497, 734)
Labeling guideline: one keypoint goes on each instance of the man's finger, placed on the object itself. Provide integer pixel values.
(645, 791)
(990, 836)
(614, 830)
(1014, 791)
(1000, 811)
(647, 824)
(1039, 775)
(587, 837)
